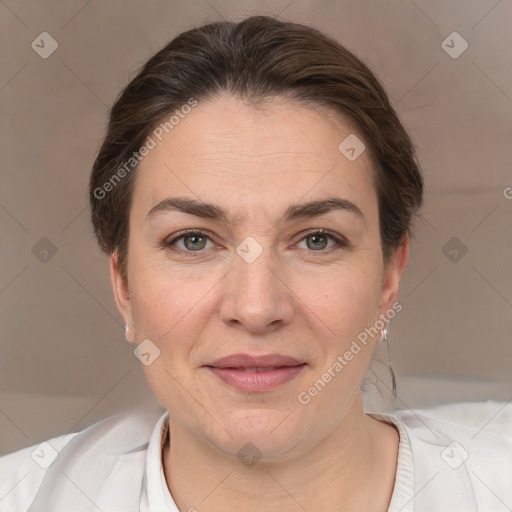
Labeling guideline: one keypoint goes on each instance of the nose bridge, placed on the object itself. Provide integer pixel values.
(256, 296)
(255, 268)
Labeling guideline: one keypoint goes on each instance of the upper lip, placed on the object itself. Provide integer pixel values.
(248, 361)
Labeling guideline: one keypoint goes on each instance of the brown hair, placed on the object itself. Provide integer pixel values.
(255, 59)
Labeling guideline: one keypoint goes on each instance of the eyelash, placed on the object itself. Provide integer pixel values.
(340, 242)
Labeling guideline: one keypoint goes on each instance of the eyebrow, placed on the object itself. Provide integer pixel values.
(293, 212)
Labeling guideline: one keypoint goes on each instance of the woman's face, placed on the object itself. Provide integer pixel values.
(257, 281)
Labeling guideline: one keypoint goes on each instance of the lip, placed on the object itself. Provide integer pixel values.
(248, 361)
(256, 373)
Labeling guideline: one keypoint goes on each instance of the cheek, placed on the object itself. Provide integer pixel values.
(171, 312)
(167, 306)
(346, 300)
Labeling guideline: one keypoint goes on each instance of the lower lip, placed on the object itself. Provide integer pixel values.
(257, 381)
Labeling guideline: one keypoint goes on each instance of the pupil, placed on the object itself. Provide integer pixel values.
(316, 237)
(192, 246)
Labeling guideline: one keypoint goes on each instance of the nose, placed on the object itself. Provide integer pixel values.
(257, 296)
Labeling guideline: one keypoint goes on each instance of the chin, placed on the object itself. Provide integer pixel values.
(269, 433)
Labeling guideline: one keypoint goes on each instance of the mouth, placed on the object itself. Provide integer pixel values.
(259, 369)
(256, 373)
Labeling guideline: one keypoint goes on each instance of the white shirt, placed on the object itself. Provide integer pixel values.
(115, 465)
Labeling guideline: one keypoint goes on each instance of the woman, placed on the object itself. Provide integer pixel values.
(255, 192)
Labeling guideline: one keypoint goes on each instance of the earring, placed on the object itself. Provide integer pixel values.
(384, 337)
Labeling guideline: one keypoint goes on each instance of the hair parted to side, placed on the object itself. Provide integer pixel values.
(256, 59)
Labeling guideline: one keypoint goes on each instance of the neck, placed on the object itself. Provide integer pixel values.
(358, 455)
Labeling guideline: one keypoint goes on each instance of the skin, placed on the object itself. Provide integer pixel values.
(305, 302)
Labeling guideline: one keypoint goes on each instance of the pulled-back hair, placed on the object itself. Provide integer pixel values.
(256, 59)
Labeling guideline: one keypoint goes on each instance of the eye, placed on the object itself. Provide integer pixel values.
(317, 241)
(193, 241)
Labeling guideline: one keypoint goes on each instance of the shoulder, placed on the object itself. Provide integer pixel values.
(463, 449)
(89, 457)
(478, 424)
(22, 472)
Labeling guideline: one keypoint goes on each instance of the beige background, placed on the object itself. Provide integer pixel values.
(64, 363)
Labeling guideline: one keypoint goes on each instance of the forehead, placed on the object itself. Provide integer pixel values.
(225, 148)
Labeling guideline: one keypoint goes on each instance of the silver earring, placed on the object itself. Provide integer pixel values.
(384, 337)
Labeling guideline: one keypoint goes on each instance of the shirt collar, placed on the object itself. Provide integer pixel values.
(156, 496)
(402, 498)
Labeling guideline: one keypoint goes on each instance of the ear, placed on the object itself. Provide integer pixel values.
(392, 275)
(122, 296)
